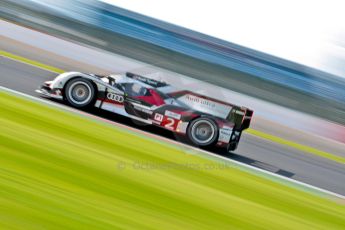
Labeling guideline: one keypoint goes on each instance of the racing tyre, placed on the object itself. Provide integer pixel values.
(203, 132)
(80, 93)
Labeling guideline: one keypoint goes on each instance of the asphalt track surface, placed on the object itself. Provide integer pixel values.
(255, 151)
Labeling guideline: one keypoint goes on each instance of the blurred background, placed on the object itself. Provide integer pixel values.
(307, 32)
(295, 50)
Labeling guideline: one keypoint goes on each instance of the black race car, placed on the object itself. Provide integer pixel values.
(203, 120)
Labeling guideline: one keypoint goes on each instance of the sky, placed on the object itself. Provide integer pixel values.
(304, 31)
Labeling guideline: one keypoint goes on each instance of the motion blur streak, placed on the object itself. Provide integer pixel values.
(273, 138)
(185, 52)
(60, 170)
(297, 146)
(31, 62)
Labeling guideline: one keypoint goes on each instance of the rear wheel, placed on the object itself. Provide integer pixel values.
(203, 132)
(80, 93)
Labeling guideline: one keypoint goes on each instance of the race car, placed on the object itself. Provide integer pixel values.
(204, 121)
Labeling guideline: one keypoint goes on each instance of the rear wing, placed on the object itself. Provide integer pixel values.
(241, 117)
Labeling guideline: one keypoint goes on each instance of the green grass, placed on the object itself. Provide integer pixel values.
(59, 170)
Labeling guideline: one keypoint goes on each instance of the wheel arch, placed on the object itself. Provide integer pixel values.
(207, 117)
(76, 77)
(202, 116)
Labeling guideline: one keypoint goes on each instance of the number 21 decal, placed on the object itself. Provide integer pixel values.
(170, 123)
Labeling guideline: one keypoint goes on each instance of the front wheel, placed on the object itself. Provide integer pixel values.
(203, 131)
(80, 93)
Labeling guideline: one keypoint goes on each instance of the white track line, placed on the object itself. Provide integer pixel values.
(177, 143)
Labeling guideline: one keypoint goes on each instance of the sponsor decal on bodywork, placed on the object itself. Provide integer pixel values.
(165, 121)
(182, 127)
(225, 134)
(142, 109)
(158, 117)
(115, 97)
(172, 114)
(206, 105)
